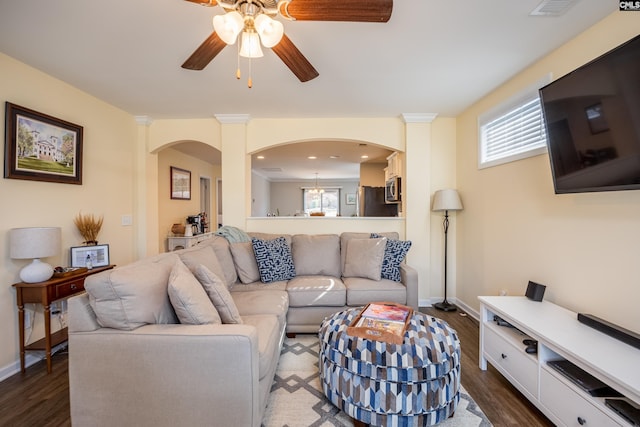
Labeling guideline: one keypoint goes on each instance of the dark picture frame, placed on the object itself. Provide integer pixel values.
(99, 255)
(180, 184)
(39, 147)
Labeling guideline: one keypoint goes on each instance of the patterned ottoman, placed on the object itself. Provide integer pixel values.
(416, 383)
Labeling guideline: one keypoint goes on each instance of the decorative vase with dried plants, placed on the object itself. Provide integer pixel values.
(89, 226)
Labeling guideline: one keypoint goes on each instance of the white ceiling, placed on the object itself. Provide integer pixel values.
(433, 56)
(332, 160)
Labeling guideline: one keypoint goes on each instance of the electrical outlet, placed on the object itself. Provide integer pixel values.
(54, 308)
(126, 220)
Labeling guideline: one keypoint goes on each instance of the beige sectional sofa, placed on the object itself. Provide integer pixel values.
(193, 337)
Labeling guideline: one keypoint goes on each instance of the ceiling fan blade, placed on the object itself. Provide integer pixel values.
(205, 2)
(295, 60)
(208, 50)
(332, 10)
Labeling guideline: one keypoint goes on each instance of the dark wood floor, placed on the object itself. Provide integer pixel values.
(503, 404)
(38, 399)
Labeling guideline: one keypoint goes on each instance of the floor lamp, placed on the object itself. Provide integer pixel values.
(446, 200)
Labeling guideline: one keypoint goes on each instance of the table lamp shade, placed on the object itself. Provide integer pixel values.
(446, 200)
(35, 243)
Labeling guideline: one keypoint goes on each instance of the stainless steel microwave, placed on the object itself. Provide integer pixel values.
(393, 190)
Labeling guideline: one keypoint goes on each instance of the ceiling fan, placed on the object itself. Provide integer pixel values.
(252, 21)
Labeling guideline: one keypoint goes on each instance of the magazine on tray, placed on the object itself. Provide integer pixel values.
(382, 321)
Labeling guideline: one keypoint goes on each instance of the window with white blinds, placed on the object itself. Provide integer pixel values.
(512, 131)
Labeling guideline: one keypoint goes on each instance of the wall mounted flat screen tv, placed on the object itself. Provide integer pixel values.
(592, 118)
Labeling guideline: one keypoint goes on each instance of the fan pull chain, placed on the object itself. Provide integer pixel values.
(250, 81)
(238, 66)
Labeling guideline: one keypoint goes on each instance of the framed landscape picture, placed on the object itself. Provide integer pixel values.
(180, 184)
(39, 147)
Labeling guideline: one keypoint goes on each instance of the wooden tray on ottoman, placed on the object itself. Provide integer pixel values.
(382, 321)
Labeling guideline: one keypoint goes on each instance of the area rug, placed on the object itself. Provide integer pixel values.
(296, 398)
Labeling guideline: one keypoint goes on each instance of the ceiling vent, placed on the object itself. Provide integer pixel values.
(272, 169)
(552, 7)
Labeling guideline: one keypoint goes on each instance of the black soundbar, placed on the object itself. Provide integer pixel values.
(610, 329)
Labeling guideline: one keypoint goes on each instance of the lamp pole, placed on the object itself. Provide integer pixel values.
(445, 305)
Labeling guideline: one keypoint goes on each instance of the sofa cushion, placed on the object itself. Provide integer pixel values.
(317, 254)
(362, 291)
(266, 301)
(348, 235)
(364, 258)
(201, 255)
(245, 262)
(394, 253)
(280, 285)
(189, 299)
(269, 331)
(133, 295)
(220, 246)
(307, 291)
(218, 294)
(274, 259)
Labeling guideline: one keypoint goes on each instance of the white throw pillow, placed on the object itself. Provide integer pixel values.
(189, 299)
(364, 258)
(218, 294)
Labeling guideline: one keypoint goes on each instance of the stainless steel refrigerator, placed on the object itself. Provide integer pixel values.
(371, 203)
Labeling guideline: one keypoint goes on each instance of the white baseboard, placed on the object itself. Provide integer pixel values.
(29, 359)
(461, 305)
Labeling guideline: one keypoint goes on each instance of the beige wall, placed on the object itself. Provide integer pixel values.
(513, 228)
(173, 211)
(107, 188)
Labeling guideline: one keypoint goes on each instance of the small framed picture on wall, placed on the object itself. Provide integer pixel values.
(180, 184)
(350, 198)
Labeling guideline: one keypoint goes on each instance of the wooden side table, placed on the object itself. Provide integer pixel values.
(45, 293)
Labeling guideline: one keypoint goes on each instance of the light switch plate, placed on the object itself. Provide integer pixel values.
(126, 220)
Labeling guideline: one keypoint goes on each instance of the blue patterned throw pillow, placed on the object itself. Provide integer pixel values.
(274, 259)
(394, 253)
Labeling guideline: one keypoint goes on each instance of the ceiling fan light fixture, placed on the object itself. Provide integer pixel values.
(270, 30)
(228, 26)
(250, 45)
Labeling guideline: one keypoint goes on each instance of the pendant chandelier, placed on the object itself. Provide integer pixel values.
(316, 189)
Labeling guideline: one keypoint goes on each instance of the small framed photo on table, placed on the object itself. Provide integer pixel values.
(98, 254)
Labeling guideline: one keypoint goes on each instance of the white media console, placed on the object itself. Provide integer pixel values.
(560, 336)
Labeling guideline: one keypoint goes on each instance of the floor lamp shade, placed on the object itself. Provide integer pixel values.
(35, 243)
(446, 200)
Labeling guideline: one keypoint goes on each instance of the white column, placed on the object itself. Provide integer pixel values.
(417, 185)
(236, 170)
(145, 193)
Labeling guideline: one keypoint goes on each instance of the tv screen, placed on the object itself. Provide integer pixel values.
(592, 118)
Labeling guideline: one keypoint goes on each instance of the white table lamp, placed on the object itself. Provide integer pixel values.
(446, 200)
(35, 243)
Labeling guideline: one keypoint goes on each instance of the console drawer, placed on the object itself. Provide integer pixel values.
(66, 289)
(511, 361)
(567, 404)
